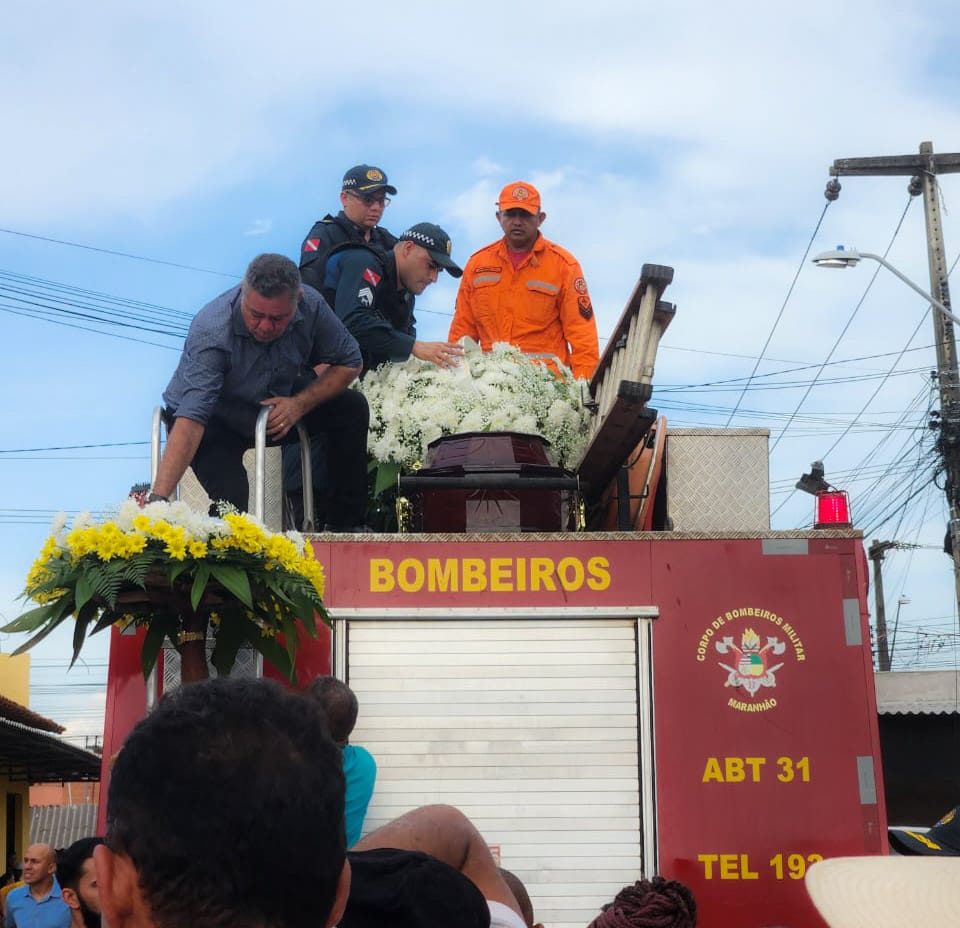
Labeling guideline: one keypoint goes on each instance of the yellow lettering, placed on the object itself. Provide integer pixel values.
(708, 860)
(474, 575)
(442, 575)
(541, 574)
(410, 575)
(521, 575)
(712, 770)
(570, 572)
(729, 867)
(599, 570)
(734, 770)
(501, 574)
(381, 575)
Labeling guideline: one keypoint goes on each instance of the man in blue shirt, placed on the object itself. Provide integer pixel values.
(339, 707)
(38, 904)
(257, 345)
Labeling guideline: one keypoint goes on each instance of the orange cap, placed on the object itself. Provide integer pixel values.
(520, 195)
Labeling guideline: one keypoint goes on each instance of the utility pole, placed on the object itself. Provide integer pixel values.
(875, 552)
(923, 169)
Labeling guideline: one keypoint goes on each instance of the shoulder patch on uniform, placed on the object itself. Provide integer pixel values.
(365, 296)
(580, 285)
(311, 244)
(585, 306)
(371, 276)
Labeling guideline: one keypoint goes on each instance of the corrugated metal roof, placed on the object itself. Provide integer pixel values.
(32, 756)
(60, 826)
(918, 692)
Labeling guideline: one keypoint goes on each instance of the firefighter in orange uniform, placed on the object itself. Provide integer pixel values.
(525, 290)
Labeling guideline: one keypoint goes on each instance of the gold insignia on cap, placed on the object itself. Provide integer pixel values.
(520, 193)
(449, 246)
(374, 174)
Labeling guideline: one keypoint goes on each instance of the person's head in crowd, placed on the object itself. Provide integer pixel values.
(941, 840)
(655, 903)
(885, 891)
(520, 893)
(339, 706)
(39, 866)
(223, 779)
(519, 215)
(365, 195)
(77, 876)
(422, 251)
(268, 296)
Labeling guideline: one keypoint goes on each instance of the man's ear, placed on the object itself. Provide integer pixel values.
(118, 887)
(340, 900)
(69, 896)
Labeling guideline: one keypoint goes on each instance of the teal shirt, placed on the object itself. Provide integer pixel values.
(360, 773)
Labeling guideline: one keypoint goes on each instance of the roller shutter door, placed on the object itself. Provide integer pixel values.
(530, 726)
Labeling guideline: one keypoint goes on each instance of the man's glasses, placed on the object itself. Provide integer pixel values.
(369, 201)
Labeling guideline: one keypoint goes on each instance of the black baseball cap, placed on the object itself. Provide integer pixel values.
(365, 178)
(436, 242)
(942, 840)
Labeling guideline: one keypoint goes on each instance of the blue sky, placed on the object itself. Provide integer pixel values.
(691, 134)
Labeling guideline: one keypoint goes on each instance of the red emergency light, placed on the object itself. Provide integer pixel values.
(833, 509)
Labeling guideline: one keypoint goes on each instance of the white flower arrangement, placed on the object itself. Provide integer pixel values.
(503, 390)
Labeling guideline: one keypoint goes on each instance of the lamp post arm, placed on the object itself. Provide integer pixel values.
(911, 285)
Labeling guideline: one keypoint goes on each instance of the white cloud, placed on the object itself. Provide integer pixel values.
(259, 227)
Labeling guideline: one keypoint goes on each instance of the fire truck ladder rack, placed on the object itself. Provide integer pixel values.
(622, 384)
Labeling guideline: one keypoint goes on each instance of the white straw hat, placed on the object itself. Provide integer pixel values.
(886, 892)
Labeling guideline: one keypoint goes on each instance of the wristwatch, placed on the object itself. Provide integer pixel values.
(157, 498)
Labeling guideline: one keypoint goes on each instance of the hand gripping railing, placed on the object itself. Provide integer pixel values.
(258, 495)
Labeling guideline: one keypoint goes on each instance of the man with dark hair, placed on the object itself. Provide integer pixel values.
(363, 197)
(339, 706)
(78, 883)
(253, 346)
(220, 774)
(374, 291)
(37, 904)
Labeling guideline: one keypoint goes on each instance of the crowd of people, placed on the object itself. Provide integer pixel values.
(295, 339)
(224, 769)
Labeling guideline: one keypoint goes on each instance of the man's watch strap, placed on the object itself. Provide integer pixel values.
(157, 498)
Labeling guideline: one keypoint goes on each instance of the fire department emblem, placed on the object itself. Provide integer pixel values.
(520, 193)
(580, 285)
(374, 174)
(750, 665)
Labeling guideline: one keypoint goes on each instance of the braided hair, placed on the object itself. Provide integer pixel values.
(656, 903)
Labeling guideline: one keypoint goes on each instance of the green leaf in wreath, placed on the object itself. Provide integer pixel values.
(200, 579)
(31, 620)
(157, 630)
(230, 637)
(387, 474)
(235, 580)
(271, 649)
(85, 615)
(59, 611)
(84, 591)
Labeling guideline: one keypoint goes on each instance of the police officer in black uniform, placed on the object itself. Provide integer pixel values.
(374, 291)
(364, 197)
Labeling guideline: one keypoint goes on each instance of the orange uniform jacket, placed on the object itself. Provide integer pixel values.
(543, 306)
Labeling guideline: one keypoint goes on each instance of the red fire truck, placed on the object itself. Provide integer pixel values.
(695, 700)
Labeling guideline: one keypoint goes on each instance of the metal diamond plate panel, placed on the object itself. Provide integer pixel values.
(195, 496)
(717, 480)
(245, 666)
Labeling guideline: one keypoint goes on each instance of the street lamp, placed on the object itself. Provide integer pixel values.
(848, 257)
(902, 601)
